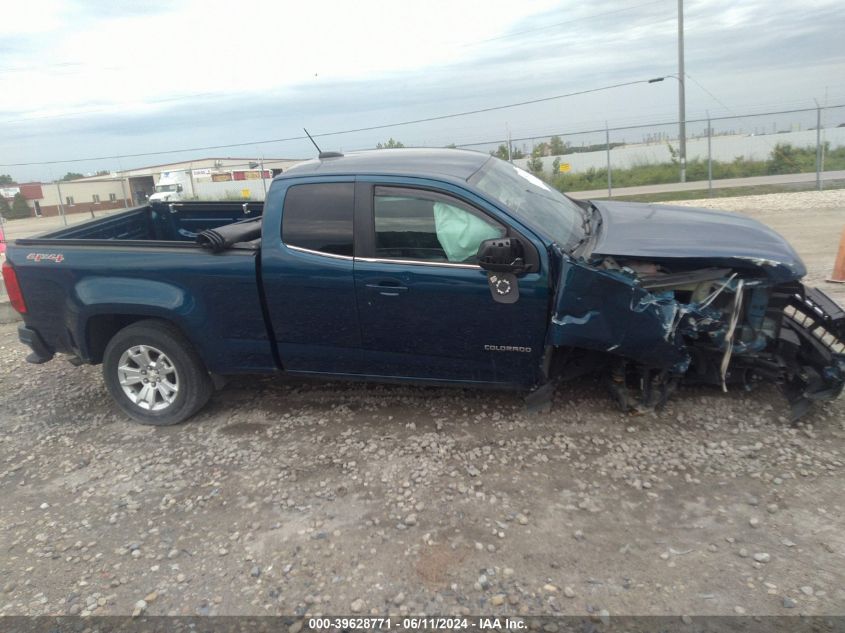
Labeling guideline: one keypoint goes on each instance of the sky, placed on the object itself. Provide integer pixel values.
(129, 83)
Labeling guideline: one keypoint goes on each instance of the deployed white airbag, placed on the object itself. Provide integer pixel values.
(460, 232)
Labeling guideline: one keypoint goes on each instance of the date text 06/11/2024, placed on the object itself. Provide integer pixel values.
(417, 623)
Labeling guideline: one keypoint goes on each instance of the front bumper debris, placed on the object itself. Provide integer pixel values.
(813, 348)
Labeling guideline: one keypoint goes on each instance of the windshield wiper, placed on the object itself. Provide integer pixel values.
(586, 223)
(585, 219)
(590, 222)
(595, 216)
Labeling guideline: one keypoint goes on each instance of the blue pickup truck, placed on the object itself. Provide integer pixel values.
(426, 266)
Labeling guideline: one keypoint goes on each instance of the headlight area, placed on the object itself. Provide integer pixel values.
(721, 326)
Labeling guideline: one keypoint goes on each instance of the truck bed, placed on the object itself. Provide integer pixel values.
(162, 223)
(83, 283)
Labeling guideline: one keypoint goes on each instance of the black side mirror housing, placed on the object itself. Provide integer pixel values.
(502, 255)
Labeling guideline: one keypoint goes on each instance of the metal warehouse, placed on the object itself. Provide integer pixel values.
(205, 178)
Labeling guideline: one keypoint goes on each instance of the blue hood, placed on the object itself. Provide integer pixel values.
(656, 231)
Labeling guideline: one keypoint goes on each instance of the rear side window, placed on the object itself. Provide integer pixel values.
(319, 217)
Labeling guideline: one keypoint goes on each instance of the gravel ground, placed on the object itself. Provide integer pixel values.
(289, 497)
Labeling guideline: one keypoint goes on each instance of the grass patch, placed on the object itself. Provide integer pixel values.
(784, 159)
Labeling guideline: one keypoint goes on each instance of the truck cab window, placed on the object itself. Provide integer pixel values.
(428, 226)
(318, 217)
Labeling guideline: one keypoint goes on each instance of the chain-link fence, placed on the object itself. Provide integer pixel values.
(800, 147)
(790, 148)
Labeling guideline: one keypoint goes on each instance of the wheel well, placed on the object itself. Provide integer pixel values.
(567, 363)
(101, 328)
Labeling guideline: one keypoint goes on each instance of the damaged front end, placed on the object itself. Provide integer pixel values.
(658, 323)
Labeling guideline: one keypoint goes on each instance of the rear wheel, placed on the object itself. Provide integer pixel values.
(154, 374)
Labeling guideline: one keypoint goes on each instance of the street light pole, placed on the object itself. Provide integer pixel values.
(818, 145)
(508, 129)
(609, 167)
(263, 181)
(709, 158)
(61, 204)
(681, 93)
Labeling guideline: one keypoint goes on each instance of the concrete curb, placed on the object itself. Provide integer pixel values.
(7, 313)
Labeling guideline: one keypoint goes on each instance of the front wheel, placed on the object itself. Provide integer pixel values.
(154, 374)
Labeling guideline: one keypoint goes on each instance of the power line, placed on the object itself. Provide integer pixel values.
(714, 97)
(327, 134)
(482, 110)
(637, 127)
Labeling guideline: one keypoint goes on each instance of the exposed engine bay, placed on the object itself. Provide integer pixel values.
(655, 324)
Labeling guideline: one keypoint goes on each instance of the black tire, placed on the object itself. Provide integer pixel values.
(193, 382)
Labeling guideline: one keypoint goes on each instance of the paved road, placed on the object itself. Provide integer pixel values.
(725, 183)
(19, 229)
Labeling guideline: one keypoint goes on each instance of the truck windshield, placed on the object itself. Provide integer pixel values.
(531, 201)
(166, 188)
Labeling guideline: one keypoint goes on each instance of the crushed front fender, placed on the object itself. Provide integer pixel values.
(726, 328)
(606, 311)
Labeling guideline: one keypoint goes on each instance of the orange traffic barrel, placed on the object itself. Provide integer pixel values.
(839, 266)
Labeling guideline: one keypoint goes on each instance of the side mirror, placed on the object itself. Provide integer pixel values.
(502, 255)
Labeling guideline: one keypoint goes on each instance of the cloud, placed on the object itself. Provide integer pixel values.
(126, 77)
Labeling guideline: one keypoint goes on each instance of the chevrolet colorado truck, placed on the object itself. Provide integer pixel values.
(431, 267)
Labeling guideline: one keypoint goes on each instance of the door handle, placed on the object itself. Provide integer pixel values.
(387, 289)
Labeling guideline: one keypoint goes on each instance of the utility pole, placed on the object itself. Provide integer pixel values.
(709, 158)
(682, 115)
(609, 168)
(123, 192)
(191, 178)
(61, 204)
(508, 129)
(818, 146)
(263, 181)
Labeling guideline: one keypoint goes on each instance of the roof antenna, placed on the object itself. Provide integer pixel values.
(321, 153)
(311, 138)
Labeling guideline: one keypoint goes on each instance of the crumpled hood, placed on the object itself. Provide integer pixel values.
(659, 231)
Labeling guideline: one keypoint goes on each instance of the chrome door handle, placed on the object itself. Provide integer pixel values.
(388, 290)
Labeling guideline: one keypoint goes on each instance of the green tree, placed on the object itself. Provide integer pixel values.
(673, 153)
(451, 146)
(535, 165)
(6, 179)
(106, 172)
(19, 207)
(540, 150)
(786, 159)
(5, 209)
(390, 144)
(72, 175)
(557, 146)
(556, 165)
(501, 152)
